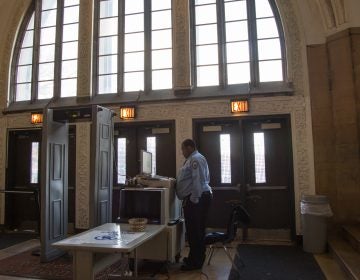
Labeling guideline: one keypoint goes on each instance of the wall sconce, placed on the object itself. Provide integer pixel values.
(239, 106)
(36, 118)
(127, 113)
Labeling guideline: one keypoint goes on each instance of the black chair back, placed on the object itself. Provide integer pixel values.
(239, 216)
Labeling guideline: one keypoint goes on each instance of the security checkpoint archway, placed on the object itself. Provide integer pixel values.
(54, 178)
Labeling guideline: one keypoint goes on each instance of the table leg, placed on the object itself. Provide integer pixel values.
(135, 263)
(83, 266)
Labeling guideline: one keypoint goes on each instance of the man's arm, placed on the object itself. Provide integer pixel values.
(196, 182)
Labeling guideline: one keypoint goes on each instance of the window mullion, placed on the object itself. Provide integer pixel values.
(221, 42)
(58, 49)
(193, 43)
(36, 51)
(253, 46)
(121, 38)
(95, 56)
(147, 42)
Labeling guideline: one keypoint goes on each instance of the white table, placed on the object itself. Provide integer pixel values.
(108, 239)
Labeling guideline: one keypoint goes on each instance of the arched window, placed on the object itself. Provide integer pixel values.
(134, 46)
(45, 64)
(237, 42)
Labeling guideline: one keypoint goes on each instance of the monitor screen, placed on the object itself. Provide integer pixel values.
(145, 162)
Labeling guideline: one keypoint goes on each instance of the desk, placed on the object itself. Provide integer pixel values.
(108, 239)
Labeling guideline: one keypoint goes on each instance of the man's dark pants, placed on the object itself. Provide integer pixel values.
(195, 215)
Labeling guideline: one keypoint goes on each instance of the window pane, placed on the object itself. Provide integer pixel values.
(108, 64)
(134, 42)
(69, 69)
(48, 4)
(45, 90)
(134, 61)
(107, 84)
(121, 160)
(161, 39)
(263, 8)
(205, 14)
(161, 59)
(161, 79)
(269, 49)
(70, 32)
(48, 18)
(134, 81)
(28, 39)
(31, 22)
(266, 28)
(270, 71)
(23, 92)
(151, 147)
(236, 31)
(108, 45)
(47, 36)
(108, 26)
(161, 20)
(25, 56)
(238, 73)
(208, 76)
(71, 2)
(134, 23)
(207, 54)
(70, 50)
(206, 34)
(225, 158)
(200, 2)
(71, 14)
(259, 151)
(237, 52)
(46, 71)
(160, 4)
(235, 10)
(47, 53)
(34, 170)
(24, 74)
(68, 87)
(134, 6)
(108, 8)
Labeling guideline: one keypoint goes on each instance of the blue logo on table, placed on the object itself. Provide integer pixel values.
(108, 235)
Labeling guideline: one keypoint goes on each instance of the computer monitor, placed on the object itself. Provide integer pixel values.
(145, 163)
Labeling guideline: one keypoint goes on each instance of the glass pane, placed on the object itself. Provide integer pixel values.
(161, 20)
(236, 31)
(266, 28)
(270, 71)
(235, 10)
(48, 4)
(70, 50)
(24, 74)
(207, 76)
(23, 92)
(238, 73)
(134, 23)
(31, 22)
(151, 147)
(207, 54)
(160, 4)
(121, 160)
(200, 2)
(108, 64)
(68, 87)
(71, 14)
(109, 8)
(162, 79)
(25, 56)
(71, 2)
(269, 49)
(134, 6)
(108, 26)
(69, 69)
(161, 39)
(206, 34)
(225, 158)
(134, 81)
(134, 61)
(237, 52)
(259, 153)
(48, 18)
(161, 59)
(28, 39)
(45, 90)
(47, 36)
(107, 84)
(34, 169)
(134, 42)
(46, 71)
(263, 9)
(47, 53)
(70, 32)
(205, 14)
(108, 45)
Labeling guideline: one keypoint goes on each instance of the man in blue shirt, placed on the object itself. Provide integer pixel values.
(192, 187)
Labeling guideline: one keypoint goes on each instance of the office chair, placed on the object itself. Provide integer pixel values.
(238, 216)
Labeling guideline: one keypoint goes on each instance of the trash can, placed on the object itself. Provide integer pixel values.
(315, 210)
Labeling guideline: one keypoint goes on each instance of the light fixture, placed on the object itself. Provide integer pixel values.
(36, 118)
(127, 113)
(239, 106)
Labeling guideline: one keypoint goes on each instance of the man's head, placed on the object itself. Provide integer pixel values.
(188, 146)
